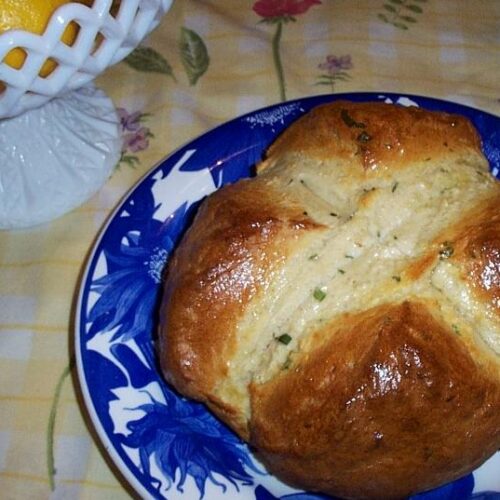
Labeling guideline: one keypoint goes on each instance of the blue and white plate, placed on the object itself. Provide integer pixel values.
(165, 445)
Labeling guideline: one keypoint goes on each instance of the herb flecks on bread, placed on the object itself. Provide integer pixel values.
(341, 310)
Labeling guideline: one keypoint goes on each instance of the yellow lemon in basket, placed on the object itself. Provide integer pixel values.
(33, 16)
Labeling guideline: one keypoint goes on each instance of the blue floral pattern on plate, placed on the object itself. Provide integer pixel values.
(165, 445)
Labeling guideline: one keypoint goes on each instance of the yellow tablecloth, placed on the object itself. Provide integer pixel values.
(442, 48)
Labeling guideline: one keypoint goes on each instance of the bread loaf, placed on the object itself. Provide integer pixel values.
(341, 310)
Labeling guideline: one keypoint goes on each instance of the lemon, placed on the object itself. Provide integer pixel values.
(33, 16)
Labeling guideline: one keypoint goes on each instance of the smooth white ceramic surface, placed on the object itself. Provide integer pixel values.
(55, 157)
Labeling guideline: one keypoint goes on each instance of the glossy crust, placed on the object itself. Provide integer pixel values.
(388, 382)
(236, 241)
(375, 136)
(476, 244)
(392, 404)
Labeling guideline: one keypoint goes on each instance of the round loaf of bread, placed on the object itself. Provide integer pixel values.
(341, 310)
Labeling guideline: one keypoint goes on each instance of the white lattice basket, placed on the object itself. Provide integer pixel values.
(59, 135)
(103, 40)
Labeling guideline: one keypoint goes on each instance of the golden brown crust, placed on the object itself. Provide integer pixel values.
(239, 236)
(374, 403)
(476, 247)
(374, 136)
(379, 393)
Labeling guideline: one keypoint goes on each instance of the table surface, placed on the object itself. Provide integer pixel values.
(440, 48)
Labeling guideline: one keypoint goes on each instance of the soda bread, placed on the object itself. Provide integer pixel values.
(341, 310)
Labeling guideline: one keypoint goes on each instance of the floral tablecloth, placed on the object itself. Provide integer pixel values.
(207, 62)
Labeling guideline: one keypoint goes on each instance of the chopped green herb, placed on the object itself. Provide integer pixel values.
(396, 278)
(378, 234)
(319, 294)
(314, 256)
(364, 137)
(333, 214)
(394, 187)
(284, 338)
(349, 121)
(341, 271)
(347, 256)
(446, 250)
(395, 237)
(456, 329)
(288, 361)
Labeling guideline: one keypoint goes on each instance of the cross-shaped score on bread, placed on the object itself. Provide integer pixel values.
(341, 310)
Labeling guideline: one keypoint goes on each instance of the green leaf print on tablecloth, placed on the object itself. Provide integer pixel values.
(401, 13)
(150, 61)
(192, 51)
(194, 55)
(51, 467)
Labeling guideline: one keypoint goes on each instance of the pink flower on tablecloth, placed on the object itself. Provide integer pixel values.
(137, 141)
(135, 136)
(129, 121)
(283, 8)
(335, 69)
(334, 64)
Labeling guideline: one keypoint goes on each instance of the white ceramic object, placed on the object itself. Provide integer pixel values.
(39, 115)
(54, 157)
(84, 60)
